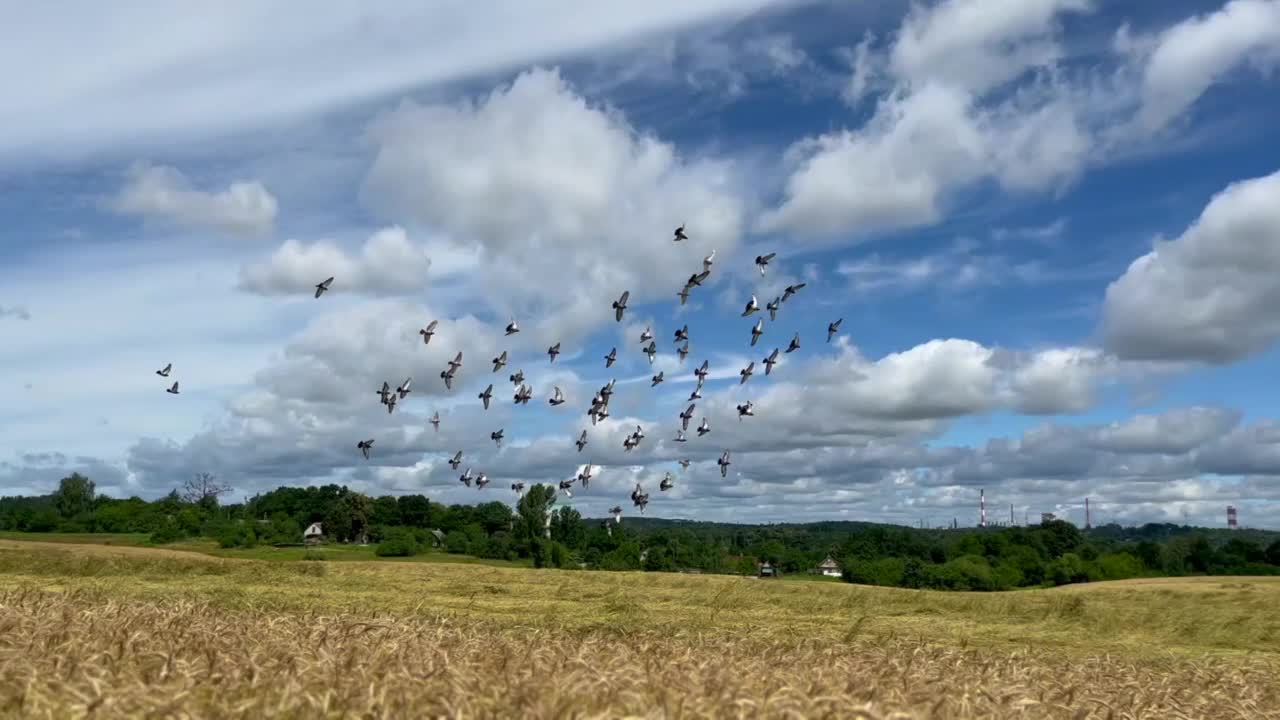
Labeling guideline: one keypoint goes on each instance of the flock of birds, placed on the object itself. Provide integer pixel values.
(599, 408)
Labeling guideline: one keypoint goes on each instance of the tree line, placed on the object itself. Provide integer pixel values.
(539, 533)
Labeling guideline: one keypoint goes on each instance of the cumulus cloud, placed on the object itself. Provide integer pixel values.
(163, 194)
(1208, 294)
(387, 264)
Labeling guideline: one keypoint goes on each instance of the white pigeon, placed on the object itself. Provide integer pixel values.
(557, 398)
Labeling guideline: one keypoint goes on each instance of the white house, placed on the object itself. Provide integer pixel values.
(828, 567)
(313, 535)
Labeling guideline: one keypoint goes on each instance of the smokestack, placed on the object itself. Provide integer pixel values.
(1231, 517)
(1087, 524)
(1010, 514)
(982, 496)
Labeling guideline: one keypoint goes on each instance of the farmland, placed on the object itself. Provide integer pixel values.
(127, 631)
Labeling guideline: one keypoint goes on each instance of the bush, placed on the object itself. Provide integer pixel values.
(397, 543)
(168, 532)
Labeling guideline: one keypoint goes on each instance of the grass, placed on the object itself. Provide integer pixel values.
(132, 631)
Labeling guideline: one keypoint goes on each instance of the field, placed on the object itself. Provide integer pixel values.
(119, 631)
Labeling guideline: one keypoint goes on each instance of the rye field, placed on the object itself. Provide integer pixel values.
(107, 631)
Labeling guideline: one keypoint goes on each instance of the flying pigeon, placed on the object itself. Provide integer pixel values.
(791, 290)
(745, 411)
(638, 434)
(435, 420)
(651, 350)
(762, 261)
(629, 442)
(683, 294)
(701, 372)
(455, 363)
(447, 376)
(667, 483)
(456, 460)
(481, 481)
(686, 416)
(684, 463)
(647, 335)
(465, 478)
(404, 387)
(723, 462)
(557, 398)
(391, 403)
(553, 351)
(566, 487)
(512, 327)
(683, 351)
(757, 331)
(772, 307)
(517, 377)
(746, 371)
(706, 263)
(518, 487)
(752, 306)
(487, 395)
(584, 476)
(173, 390)
(695, 280)
(680, 436)
(427, 332)
(682, 334)
(500, 361)
(620, 305)
(833, 328)
(657, 379)
(523, 395)
(582, 441)
(770, 361)
(704, 428)
(384, 392)
(321, 287)
(608, 526)
(496, 437)
(679, 234)
(611, 357)
(607, 391)
(365, 446)
(165, 372)
(616, 512)
(795, 343)
(696, 394)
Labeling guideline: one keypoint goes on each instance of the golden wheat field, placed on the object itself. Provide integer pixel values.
(106, 632)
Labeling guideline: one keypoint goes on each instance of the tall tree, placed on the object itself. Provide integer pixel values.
(74, 495)
(532, 511)
(203, 489)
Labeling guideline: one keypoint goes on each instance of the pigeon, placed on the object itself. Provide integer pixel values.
(500, 361)
(757, 331)
(657, 379)
(455, 363)
(481, 481)
(584, 476)
(683, 294)
(384, 392)
(456, 460)
(772, 307)
(465, 478)
(523, 395)
(683, 351)
(651, 350)
(745, 410)
(770, 361)
(620, 305)
(684, 463)
(629, 442)
(746, 371)
(435, 420)
(667, 483)
(795, 343)
(582, 441)
(173, 390)
(165, 372)
(487, 395)
(365, 446)
(696, 394)
(517, 377)
(723, 462)
(686, 416)
(427, 332)
(706, 263)
(704, 428)
(321, 287)
(512, 327)
(553, 351)
(518, 487)
(391, 403)
(496, 436)
(403, 390)
(647, 335)
(447, 375)
(641, 501)
(608, 526)
(610, 358)
(566, 487)
(752, 306)
(606, 392)
(701, 372)
(833, 328)
(791, 290)
(557, 398)
(638, 434)
(680, 436)
(679, 234)
(762, 261)
(616, 512)
(695, 280)
(682, 334)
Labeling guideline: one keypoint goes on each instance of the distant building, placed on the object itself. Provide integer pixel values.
(313, 535)
(828, 567)
(437, 538)
(765, 569)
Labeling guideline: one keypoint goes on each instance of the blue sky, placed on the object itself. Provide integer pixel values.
(1052, 229)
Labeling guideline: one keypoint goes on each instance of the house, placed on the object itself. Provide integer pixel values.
(313, 535)
(765, 569)
(828, 567)
(437, 538)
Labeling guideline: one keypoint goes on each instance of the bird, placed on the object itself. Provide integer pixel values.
(745, 410)
(496, 436)
(687, 416)
(620, 305)
(684, 463)
(481, 481)
(487, 395)
(391, 403)
(435, 420)
(667, 482)
(757, 331)
(611, 357)
(616, 512)
(723, 462)
(746, 371)
(629, 442)
(795, 343)
(455, 363)
(447, 376)
(557, 398)
(584, 476)
(657, 379)
(582, 441)
(566, 487)
(651, 350)
(647, 335)
(403, 389)
(791, 290)
(512, 327)
(456, 460)
(772, 307)
(706, 263)
(174, 389)
(607, 391)
(523, 395)
(427, 332)
(465, 478)
(679, 234)
(500, 361)
(608, 527)
(833, 328)
(680, 436)
(762, 261)
(683, 351)
(553, 351)
(165, 371)
(683, 294)
(704, 428)
(701, 372)
(682, 334)
(321, 287)
(518, 487)
(517, 377)
(638, 434)
(695, 280)
(696, 394)
(365, 446)
(770, 361)
(384, 391)
(752, 306)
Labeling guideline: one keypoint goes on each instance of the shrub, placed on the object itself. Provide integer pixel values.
(397, 543)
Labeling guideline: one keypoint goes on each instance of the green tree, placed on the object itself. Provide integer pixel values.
(415, 511)
(74, 495)
(567, 528)
(531, 518)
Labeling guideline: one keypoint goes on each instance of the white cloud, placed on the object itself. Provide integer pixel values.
(388, 263)
(1209, 294)
(162, 194)
(1177, 431)
(18, 312)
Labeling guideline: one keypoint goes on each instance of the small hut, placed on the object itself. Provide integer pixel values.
(313, 535)
(828, 567)
(437, 538)
(766, 569)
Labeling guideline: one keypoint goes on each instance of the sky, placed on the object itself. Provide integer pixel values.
(1050, 228)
